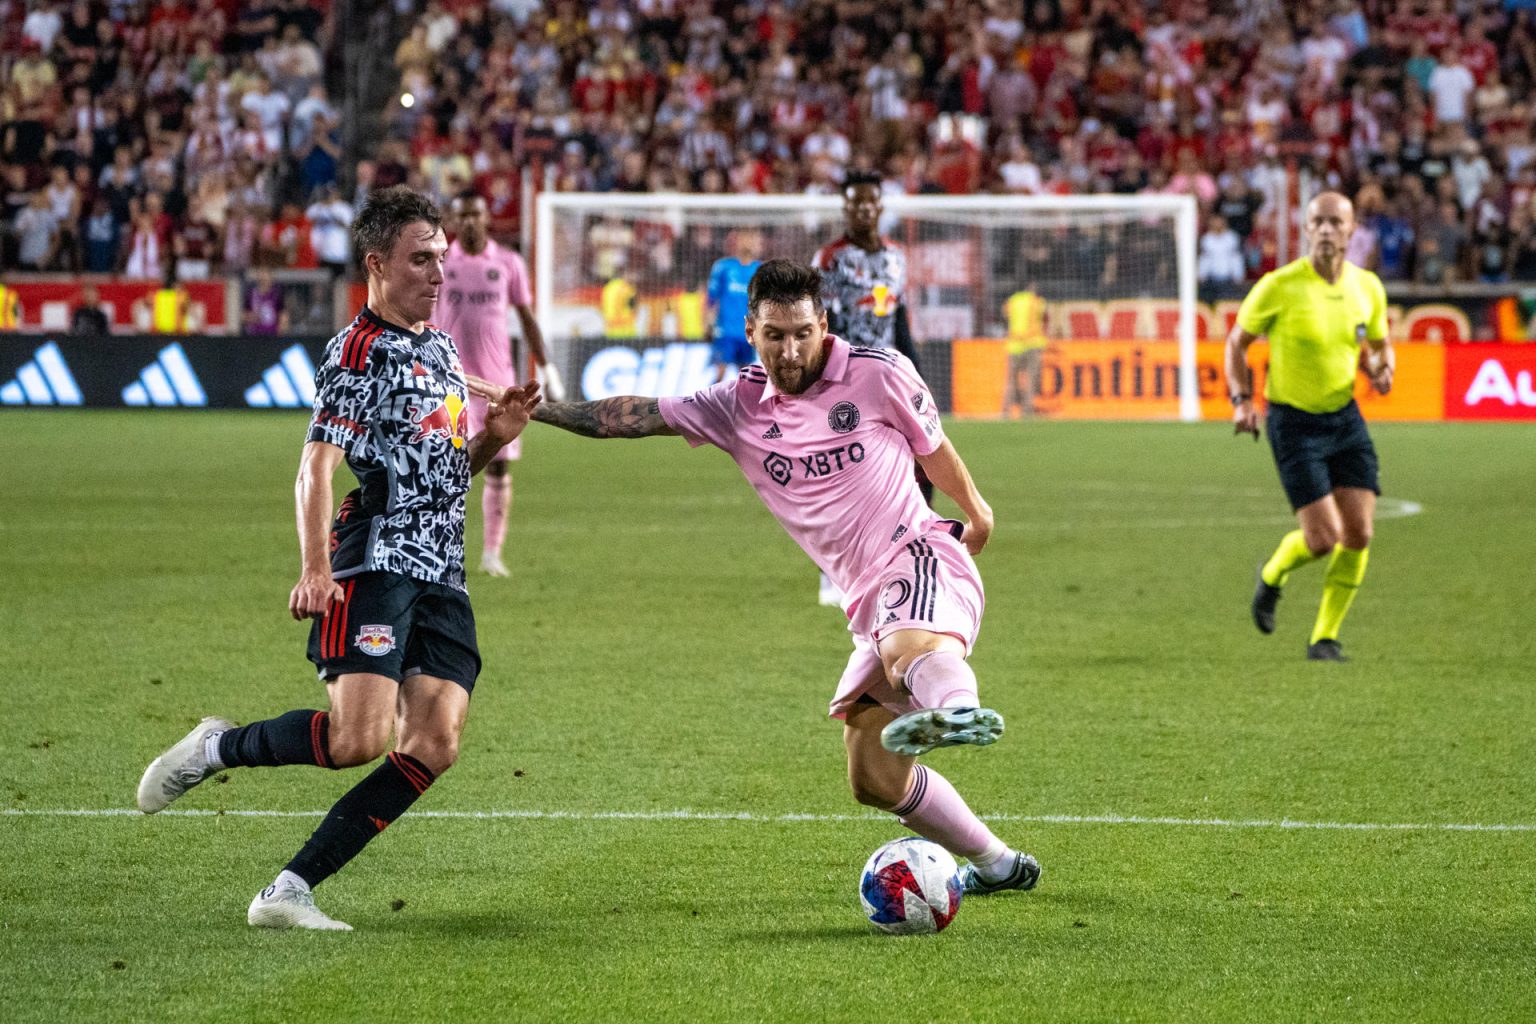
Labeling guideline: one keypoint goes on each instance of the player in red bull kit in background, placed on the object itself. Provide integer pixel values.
(394, 636)
(864, 290)
(483, 279)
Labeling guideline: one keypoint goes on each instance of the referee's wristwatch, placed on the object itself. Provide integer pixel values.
(1238, 398)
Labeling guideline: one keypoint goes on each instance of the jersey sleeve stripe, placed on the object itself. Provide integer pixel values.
(356, 357)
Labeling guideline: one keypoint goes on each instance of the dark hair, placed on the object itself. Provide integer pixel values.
(783, 283)
(466, 195)
(384, 215)
(857, 178)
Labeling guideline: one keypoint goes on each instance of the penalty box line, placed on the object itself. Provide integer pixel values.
(748, 816)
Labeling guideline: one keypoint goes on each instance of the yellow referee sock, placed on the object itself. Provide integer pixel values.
(1291, 554)
(1345, 571)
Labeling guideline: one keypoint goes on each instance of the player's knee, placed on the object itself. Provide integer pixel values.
(1357, 536)
(438, 752)
(352, 747)
(1322, 539)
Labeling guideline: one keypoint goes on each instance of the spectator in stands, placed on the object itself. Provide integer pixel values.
(330, 217)
(101, 238)
(264, 306)
(37, 234)
(89, 319)
(64, 202)
(1440, 242)
(1221, 254)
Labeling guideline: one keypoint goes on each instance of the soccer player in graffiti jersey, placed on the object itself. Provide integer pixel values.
(864, 288)
(394, 636)
(482, 281)
(826, 434)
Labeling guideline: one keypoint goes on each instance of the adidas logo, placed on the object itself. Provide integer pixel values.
(45, 380)
(773, 433)
(288, 384)
(168, 381)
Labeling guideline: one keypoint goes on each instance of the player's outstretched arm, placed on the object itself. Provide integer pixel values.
(316, 590)
(629, 416)
(948, 473)
(505, 417)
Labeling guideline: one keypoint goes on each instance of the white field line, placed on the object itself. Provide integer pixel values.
(748, 816)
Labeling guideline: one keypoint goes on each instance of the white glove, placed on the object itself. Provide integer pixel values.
(549, 376)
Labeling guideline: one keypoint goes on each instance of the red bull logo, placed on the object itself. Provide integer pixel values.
(375, 640)
(881, 300)
(446, 420)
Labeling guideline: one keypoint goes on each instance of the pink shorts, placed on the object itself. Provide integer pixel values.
(477, 424)
(932, 584)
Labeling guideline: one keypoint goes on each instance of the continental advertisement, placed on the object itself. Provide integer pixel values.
(1139, 380)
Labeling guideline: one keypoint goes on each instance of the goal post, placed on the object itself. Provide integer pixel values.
(620, 281)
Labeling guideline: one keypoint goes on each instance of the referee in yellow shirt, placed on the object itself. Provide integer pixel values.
(1324, 318)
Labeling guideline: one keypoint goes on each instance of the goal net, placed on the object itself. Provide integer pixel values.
(1078, 306)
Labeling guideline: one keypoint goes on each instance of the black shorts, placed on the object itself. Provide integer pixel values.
(1317, 452)
(395, 625)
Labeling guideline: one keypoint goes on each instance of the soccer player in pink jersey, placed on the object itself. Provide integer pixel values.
(481, 280)
(826, 434)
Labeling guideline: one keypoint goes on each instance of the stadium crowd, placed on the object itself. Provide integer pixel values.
(203, 128)
(197, 134)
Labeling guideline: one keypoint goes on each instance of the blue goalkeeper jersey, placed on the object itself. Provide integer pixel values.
(727, 292)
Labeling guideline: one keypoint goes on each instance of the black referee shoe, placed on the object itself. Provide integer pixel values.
(1265, 597)
(1325, 650)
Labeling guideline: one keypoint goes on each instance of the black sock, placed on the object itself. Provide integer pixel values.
(360, 815)
(298, 737)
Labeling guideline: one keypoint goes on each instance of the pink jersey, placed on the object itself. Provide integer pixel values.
(833, 465)
(472, 307)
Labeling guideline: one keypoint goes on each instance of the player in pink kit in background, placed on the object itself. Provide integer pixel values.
(826, 434)
(482, 281)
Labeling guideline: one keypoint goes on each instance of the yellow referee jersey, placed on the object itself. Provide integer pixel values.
(1315, 330)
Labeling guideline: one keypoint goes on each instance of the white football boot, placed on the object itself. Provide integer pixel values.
(285, 905)
(918, 732)
(177, 770)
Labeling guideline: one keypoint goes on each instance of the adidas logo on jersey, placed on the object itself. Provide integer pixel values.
(168, 381)
(288, 384)
(43, 380)
(773, 433)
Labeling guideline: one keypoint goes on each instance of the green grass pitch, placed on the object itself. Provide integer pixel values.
(660, 650)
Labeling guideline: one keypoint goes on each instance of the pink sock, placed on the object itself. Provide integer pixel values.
(935, 811)
(494, 502)
(941, 679)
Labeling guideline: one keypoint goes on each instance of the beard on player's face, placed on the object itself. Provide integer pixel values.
(791, 341)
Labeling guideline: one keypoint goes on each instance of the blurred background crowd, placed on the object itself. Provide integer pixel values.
(214, 137)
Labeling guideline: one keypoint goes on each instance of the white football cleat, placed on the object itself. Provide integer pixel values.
(829, 596)
(170, 775)
(282, 905)
(917, 732)
(492, 565)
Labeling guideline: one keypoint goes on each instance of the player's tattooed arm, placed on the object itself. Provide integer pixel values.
(628, 416)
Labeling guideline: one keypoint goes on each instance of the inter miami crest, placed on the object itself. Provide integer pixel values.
(779, 468)
(843, 417)
(493, 274)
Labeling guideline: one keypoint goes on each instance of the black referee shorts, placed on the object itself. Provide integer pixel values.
(1317, 452)
(398, 626)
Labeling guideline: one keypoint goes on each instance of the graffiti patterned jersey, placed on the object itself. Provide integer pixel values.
(394, 403)
(862, 291)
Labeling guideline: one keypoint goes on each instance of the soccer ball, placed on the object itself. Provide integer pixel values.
(910, 887)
